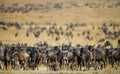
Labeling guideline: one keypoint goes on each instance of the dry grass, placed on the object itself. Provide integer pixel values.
(44, 70)
(60, 72)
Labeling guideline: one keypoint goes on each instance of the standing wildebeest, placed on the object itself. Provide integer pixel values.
(68, 58)
(83, 58)
(36, 57)
(52, 59)
(98, 57)
(115, 57)
(1, 58)
(36, 33)
(22, 58)
(7, 56)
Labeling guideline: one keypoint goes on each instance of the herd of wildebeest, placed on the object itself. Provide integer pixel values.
(59, 57)
(64, 57)
(66, 30)
(25, 8)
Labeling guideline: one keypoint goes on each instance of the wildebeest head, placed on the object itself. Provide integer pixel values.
(64, 55)
(107, 43)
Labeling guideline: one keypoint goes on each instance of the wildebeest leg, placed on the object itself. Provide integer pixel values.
(29, 63)
(53, 66)
(32, 63)
(78, 62)
(38, 62)
(84, 64)
(17, 65)
(101, 64)
(5, 63)
(57, 65)
(104, 63)
(60, 65)
(21, 63)
(1, 65)
(96, 65)
(26, 64)
(75, 65)
(87, 65)
(80, 65)
(116, 64)
(34, 66)
(112, 62)
(107, 60)
(70, 66)
(64, 63)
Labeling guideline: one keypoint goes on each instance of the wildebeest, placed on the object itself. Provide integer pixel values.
(4, 28)
(115, 57)
(68, 58)
(16, 34)
(83, 58)
(36, 33)
(98, 57)
(52, 59)
(22, 58)
(1, 58)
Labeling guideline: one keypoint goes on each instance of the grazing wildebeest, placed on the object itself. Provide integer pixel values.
(17, 25)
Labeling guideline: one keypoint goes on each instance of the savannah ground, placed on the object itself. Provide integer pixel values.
(91, 16)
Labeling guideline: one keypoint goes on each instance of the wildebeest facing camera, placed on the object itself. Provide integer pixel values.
(60, 36)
